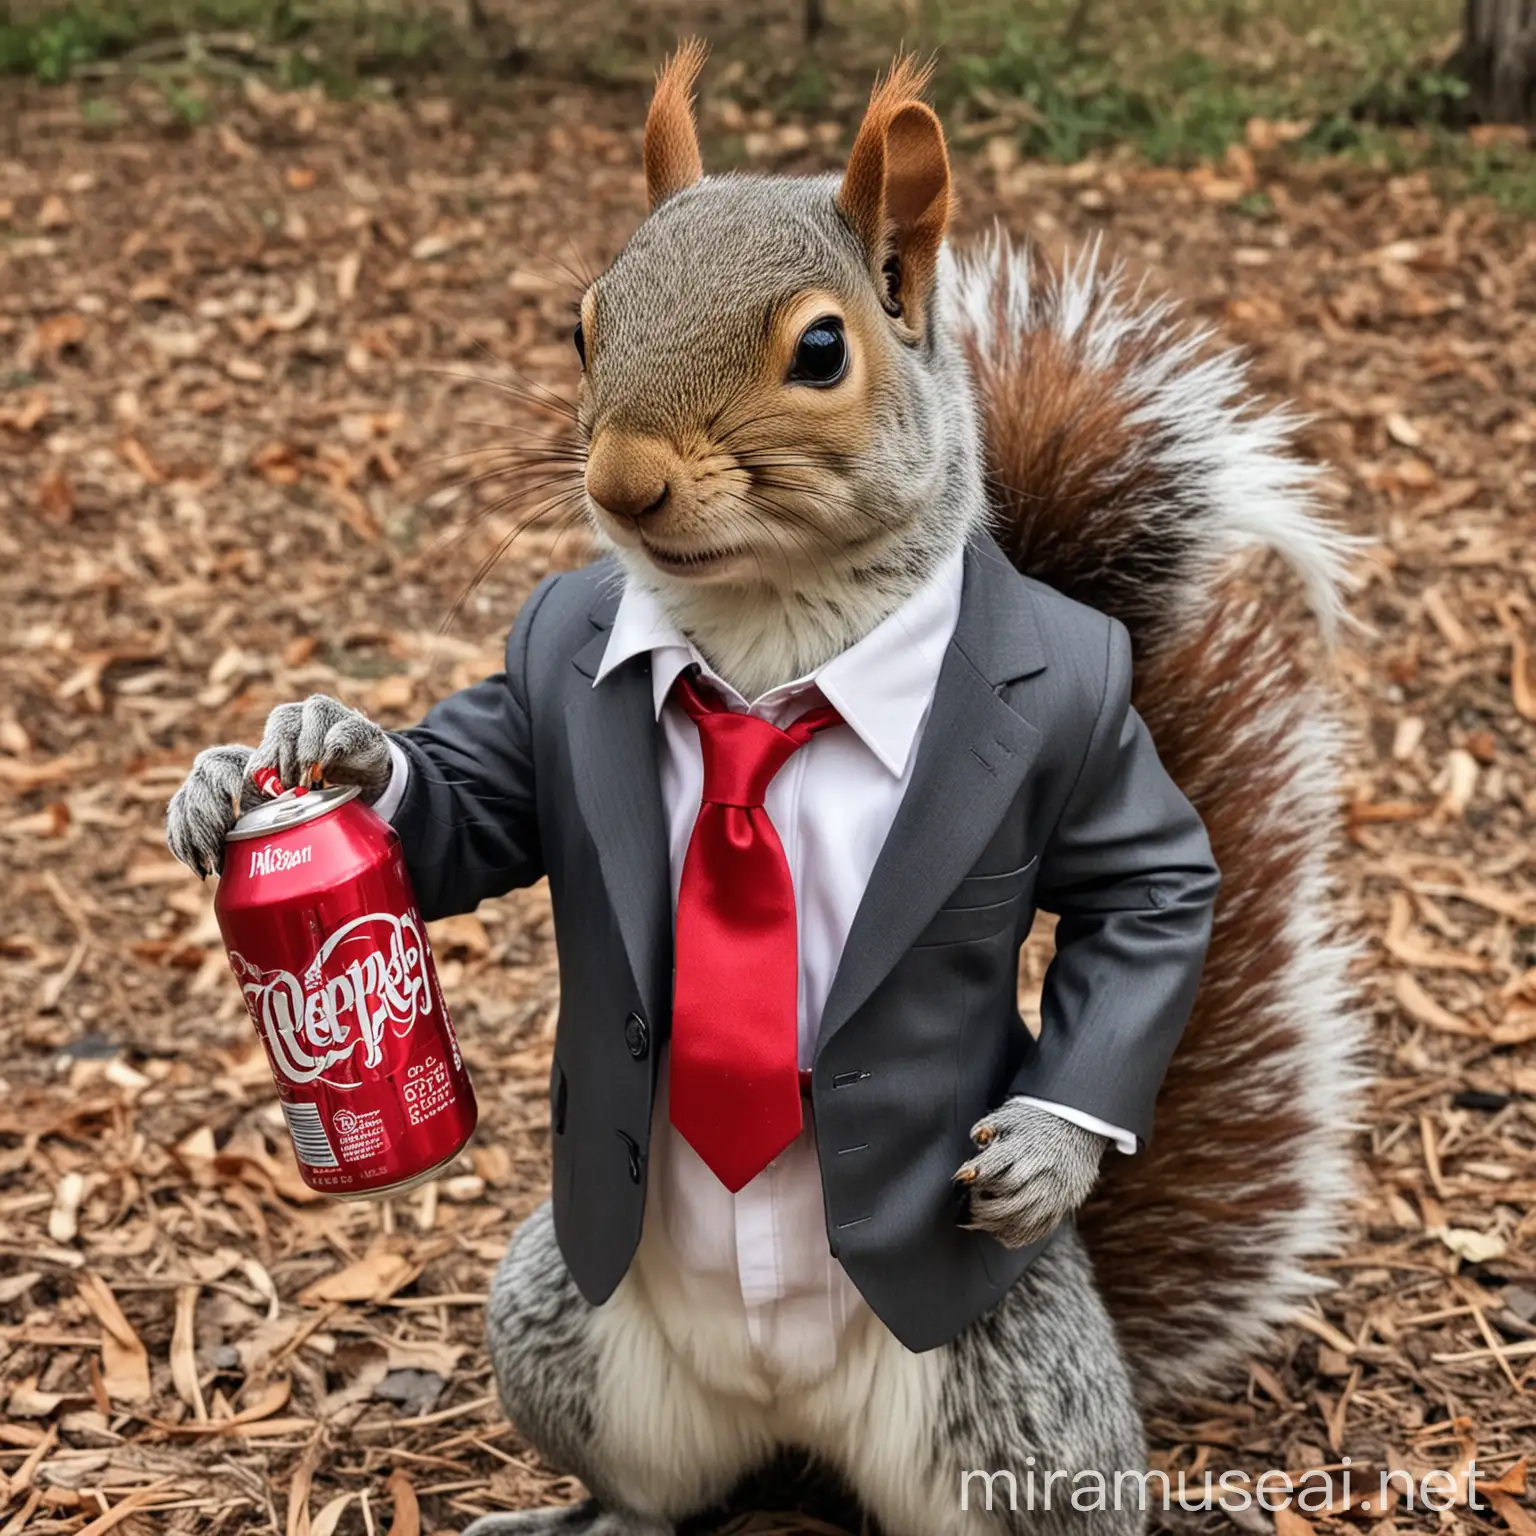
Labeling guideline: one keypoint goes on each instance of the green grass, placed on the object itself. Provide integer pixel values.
(1178, 81)
(1174, 81)
(337, 43)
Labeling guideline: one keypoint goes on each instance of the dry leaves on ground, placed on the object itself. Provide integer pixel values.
(260, 377)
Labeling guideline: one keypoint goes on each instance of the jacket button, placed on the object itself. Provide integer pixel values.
(637, 1037)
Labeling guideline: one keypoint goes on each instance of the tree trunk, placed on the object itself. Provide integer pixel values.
(1498, 59)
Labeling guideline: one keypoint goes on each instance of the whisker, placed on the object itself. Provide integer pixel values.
(524, 391)
(491, 561)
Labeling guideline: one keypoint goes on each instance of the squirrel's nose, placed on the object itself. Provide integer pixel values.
(629, 477)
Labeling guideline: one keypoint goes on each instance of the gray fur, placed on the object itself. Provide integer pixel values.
(207, 805)
(321, 733)
(345, 744)
(538, 1328)
(1033, 1170)
(1040, 1385)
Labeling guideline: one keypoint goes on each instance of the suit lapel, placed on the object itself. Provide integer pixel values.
(613, 738)
(973, 756)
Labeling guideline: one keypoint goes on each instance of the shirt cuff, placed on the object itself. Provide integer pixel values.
(1125, 1141)
(399, 776)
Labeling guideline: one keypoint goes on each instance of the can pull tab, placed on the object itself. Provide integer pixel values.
(267, 781)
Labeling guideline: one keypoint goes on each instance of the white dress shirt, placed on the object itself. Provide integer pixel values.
(832, 805)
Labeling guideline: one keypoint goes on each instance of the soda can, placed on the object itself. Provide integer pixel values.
(331, 954)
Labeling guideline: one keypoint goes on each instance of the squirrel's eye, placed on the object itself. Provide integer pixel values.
(821, 355)
(580, 338)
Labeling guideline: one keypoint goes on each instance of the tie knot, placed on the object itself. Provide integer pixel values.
(742, 753)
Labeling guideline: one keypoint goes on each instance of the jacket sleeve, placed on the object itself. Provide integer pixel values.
(1128, 870)
(467, 817)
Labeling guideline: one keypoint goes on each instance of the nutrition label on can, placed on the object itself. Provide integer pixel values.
(360, 1136)
(428, 1089)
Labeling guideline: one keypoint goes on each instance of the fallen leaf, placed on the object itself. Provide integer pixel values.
(1419, 1005)
(52, 821)
(122, 1510)
(431, 247)
(374, 1277)
(30, 413)
(1412, 950)
(1472, 1246)
(138, 458)
(184, 1352)
(125, 1361)
(463, 936)
(1460, 780)
(1437, 605)
(422, 1355)
(55, 501)
(64, 1216)
(56, 770)
(155, 871)
(394, 692)
(52, 336)
(21, 1477)
(1368, 812)
(1517, 1028)
(1522, 680)
(1514, 1515)
(298, 1489)
(330, 1515)
(493, 1163)
(14, 1287)
(299, 313)
(407, 1520)
(246, 369)
(25, 1401)
(274, 1396)
(347, 270)
(1289, 1523)
(54, 213)
(1511, 1481)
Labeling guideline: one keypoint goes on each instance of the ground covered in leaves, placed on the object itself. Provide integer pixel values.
(256, 384)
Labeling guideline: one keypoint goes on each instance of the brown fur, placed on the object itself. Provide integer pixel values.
(1062, 471)
(896, 188)
(1179, 1234)
(672, 158)
(1224, 1158)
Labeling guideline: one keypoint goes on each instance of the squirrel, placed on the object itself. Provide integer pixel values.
(802, 415)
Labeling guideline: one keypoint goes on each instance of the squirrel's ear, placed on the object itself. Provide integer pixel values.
(895, 191)
(672, 159)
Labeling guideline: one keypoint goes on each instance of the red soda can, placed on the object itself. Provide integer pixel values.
(320, 922)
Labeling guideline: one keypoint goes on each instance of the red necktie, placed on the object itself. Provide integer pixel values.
(735, 1081)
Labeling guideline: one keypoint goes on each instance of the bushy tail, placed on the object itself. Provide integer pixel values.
(1129, 469)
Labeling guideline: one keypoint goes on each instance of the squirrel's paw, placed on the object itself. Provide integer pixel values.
(323, 739)
(1031, 1171)
(302, 743)
(206, 806)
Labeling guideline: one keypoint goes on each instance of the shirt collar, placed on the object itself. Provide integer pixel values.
(882, 685)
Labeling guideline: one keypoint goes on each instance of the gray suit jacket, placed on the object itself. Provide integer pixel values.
(1036, 785)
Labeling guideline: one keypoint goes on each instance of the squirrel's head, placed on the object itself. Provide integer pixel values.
(780, 438)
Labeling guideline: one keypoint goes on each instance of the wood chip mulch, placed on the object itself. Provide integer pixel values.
(253, 382)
